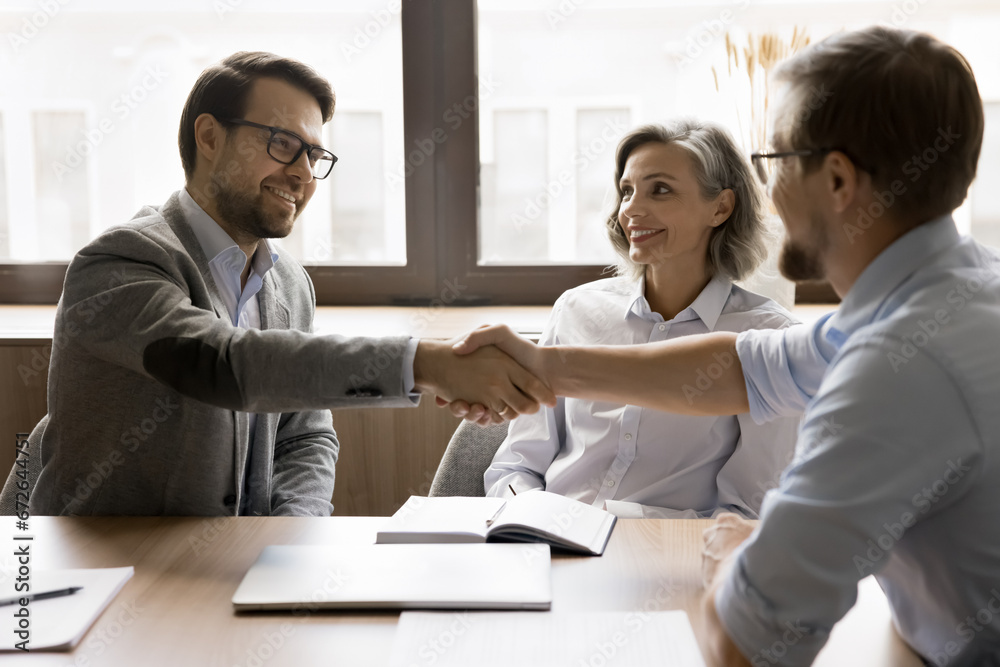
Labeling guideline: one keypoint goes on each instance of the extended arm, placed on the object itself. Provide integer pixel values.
(695, 375)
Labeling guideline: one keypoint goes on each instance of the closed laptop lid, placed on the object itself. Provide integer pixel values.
(398, 576)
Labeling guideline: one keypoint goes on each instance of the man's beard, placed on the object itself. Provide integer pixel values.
(801, 262)
(246, 213)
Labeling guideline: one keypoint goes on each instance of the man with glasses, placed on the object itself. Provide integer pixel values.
(184, 376)
(897, 464)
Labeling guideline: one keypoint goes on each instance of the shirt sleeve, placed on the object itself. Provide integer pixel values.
(408, 358)
(872, 440)
(783, 368)
(532, 441)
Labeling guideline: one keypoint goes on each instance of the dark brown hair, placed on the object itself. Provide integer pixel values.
(902, 105)
(222, 90)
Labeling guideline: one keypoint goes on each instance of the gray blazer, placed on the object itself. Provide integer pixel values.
(150, 385)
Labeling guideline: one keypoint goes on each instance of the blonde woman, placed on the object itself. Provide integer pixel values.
(688, 222)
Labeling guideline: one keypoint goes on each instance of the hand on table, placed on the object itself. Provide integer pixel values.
(720, 540)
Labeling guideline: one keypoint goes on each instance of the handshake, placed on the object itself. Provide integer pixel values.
(487, 376)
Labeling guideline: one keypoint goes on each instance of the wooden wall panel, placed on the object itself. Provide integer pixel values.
(24, 372)
(388, 455)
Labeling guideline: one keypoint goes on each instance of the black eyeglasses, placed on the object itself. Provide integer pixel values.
(286, 147)
(761, 166)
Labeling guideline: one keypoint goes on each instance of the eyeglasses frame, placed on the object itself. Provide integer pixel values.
(305, 148)
(757, 158)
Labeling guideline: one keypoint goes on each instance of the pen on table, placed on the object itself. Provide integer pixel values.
(31, 597)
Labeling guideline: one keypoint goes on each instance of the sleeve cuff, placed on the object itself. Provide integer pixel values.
(751, 624)
(771, 390)
(408, 357)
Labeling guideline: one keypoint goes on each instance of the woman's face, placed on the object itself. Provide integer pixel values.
(662, 211)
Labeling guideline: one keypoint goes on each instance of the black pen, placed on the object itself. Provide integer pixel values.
(31, 597)
(512, 489)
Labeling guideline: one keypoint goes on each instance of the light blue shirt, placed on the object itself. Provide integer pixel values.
(639, 462)
(897, 467)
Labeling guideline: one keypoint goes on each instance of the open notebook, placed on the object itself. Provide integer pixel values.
(532, 516)
(58, 624)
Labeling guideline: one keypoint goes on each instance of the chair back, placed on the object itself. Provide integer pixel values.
(32, 466)
(469, 453)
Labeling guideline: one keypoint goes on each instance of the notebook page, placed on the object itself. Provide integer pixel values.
(58, 624)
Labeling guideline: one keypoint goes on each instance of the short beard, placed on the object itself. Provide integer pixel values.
(245, 213)
(799, 262)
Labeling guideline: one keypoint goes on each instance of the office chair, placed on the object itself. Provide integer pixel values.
(8, 496)
(469, 453)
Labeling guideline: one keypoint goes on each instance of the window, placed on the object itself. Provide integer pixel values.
(476, 137)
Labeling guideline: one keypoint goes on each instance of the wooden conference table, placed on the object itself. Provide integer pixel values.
(176, 610)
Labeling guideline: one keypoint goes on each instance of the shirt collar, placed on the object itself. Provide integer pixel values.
(707, 306)
(215, 241)
(885, 273)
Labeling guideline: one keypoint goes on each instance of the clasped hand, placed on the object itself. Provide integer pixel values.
(488, 376)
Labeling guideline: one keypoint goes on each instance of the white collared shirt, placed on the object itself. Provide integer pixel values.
(636, 461)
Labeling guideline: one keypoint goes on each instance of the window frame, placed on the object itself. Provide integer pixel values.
(440, 67)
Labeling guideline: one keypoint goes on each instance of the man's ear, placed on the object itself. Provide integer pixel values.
(841, 180)
(209, 136)
(724, 205)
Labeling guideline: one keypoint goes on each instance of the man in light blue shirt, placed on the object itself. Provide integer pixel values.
(876, 139)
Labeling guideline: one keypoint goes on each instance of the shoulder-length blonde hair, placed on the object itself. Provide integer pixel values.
(736, 247)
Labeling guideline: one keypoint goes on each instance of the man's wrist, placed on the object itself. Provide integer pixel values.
(426, 365)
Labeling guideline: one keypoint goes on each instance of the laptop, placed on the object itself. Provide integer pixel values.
(398, 576)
